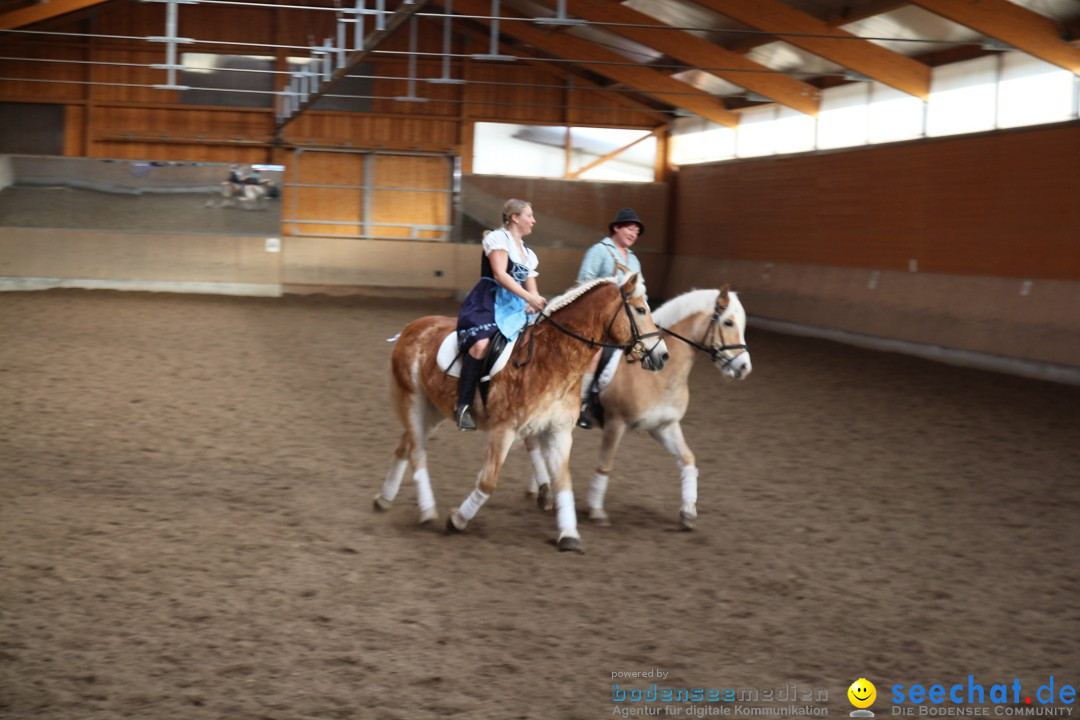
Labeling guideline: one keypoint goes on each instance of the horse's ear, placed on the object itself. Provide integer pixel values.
(630, 286)
(724, 293)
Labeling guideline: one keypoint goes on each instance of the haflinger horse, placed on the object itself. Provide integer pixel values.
(535, 396)
(711, 322)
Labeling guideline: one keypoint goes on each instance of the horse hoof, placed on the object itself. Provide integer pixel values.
(599, 518)
(427, 516)
(381, 504)
(455, 524)
(687, 521)
(569, 543)
(544, 498)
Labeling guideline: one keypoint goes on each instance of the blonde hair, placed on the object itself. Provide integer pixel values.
(513, 207)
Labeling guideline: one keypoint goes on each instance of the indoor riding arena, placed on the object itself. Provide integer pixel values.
(216, 218)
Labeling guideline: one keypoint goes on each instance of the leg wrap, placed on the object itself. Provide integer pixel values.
(539, 473)
(392, 483)
(597, 490)
(566, 515)
(689, 475)
(473, 503)
(425, 499)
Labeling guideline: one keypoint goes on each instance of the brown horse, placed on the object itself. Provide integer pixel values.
(712, 322)
(535, 396)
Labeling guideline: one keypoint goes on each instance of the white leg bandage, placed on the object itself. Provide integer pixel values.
(392, 483)
(689, 475)
(425, 499)
(565, 514)
(597, 490)
(473, 503)
(586, 384)
(539, 473)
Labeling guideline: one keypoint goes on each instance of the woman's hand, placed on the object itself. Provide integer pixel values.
(536, 303)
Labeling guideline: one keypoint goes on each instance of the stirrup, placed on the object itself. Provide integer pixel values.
(463, 415)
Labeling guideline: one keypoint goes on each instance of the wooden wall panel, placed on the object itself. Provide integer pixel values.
(384, 87)
(124, 75)
(31, 67)
(366, 131)
(513, 102)
(344, 205)
(601, 109)
(420, 208)
(180, 122)
(996, 204)
(410, 205)
(234, 24)
(134, 19)
(412, 172)
(74, 125)
(124, 117)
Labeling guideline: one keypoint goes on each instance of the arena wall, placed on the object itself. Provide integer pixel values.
(968, 242)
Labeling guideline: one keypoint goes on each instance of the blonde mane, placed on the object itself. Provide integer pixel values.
(560, 301)
(689, 303)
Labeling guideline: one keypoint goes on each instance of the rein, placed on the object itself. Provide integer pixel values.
(714, 351)
(636, 336)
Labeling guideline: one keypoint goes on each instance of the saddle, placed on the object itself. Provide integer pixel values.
(498, 354)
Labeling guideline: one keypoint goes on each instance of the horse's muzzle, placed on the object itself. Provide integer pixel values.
(656, 358)
(738, 367)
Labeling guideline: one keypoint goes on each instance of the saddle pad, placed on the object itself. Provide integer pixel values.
(449, 353)
(607, 373)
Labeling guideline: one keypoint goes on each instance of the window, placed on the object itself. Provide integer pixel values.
(698, 140)
(842, 121)
(894, 115)
(542, 151)
(757, 130)
(1032, 91)
(232, 80)
(795, 131)
(963, 97)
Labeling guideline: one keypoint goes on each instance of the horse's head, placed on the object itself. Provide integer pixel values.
(712, 321)
(725, 337)
(636, 329)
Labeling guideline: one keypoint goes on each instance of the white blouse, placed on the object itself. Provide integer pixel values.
(501, 239)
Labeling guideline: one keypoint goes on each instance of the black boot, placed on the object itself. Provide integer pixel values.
(470, 375)
(585, 417)
(592, 411)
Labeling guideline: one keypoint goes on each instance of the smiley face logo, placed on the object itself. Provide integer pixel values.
(862, 693)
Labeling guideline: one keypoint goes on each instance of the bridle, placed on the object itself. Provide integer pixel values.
(715, 352)
(633, 350)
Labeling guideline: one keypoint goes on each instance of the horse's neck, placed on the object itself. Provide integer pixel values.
(682, 355)
(588, 317)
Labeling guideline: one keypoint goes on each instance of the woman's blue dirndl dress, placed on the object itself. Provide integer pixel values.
(491, 308)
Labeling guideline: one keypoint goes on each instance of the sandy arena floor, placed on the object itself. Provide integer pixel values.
(186, 529)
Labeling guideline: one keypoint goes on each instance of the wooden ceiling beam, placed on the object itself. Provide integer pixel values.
(700, 53)
(643, 80)
(841, 47)
(43, 11)
(1025, 30)
(841, 16)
